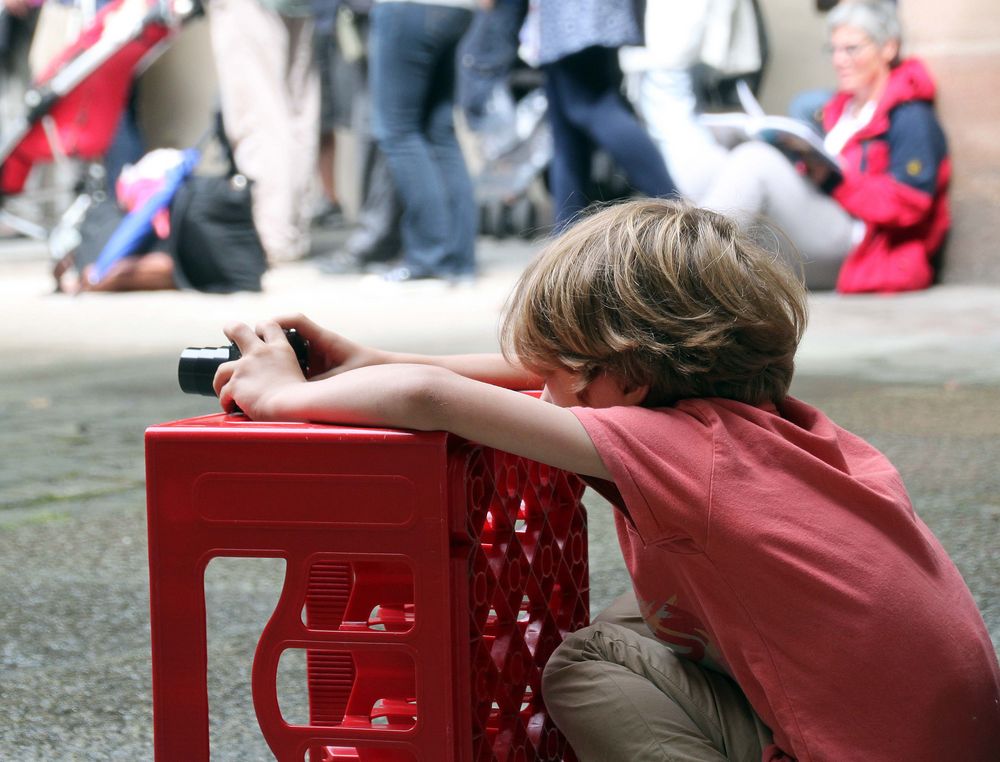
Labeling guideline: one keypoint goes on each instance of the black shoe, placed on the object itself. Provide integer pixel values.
(330, 215)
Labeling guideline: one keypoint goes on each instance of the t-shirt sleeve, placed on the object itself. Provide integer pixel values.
(661, 460)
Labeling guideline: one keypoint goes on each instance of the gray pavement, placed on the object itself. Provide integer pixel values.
(81, 378)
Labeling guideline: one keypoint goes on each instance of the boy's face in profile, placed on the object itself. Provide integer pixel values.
(562, 388)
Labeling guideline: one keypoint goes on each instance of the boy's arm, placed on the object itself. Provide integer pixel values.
(489, 368)
(331, 354)
(267, 385)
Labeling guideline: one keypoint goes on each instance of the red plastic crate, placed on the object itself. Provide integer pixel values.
(427, 578)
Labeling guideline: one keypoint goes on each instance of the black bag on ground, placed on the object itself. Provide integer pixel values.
(212, 236)
(98, 225)
(213, 241)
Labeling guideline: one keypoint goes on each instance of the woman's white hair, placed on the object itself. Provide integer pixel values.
(876, 18)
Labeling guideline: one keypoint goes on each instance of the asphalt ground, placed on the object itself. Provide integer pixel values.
(82, 377)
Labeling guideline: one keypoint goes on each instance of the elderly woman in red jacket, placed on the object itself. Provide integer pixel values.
(878, 225)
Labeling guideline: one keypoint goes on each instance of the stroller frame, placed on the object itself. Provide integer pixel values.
(75, 66)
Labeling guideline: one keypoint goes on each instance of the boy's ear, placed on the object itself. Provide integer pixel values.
(632, 393)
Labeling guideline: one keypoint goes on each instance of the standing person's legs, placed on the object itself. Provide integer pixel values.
(440, 131)
(666, 101)
(617, 693)
(377, 238)
(757, 180)
(569, 170)
(324, 54)
(596, 105)
(255, 53)
(302, 106)
(402, 60)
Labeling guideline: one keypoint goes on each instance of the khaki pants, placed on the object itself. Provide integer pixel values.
(269, 89)
(617, 693)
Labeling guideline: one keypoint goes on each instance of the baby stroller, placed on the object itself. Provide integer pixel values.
(73, 108)
(515, 148)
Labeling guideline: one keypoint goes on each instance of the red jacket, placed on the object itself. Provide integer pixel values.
(896, 172)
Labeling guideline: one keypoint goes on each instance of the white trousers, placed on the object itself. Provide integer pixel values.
(756, 183)
(269, 90)
(666, 103)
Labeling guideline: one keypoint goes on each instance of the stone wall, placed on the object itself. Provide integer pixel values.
(960, 41)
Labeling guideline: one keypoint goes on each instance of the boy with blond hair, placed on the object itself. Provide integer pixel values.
(787, 602)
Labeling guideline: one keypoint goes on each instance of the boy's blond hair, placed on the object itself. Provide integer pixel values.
(661, 293)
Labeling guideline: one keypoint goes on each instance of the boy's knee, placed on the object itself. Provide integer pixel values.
(559, 679)
(581, 646)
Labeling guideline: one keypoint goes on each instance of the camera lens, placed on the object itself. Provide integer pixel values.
(197, 367)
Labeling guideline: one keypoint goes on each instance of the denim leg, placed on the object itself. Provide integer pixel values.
(487, 54)
(591, 100)
(569, 171)
(461, 203)
(410, 45)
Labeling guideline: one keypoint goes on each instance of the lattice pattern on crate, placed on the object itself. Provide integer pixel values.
(528, 587)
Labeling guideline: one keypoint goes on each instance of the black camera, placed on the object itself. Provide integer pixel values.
(197, 366)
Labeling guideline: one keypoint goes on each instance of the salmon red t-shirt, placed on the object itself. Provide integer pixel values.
(772, 544)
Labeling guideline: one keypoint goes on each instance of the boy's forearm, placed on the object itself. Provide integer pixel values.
(376, 395)
(428, 398)
(419, 396)
(490, 368)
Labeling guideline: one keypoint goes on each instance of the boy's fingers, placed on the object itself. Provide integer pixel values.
(300, 323)
(226, 400)
(242, 334)
(222, 375)
(270, 331)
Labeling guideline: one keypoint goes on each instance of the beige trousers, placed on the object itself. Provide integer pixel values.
(269, 88)
(756, 183)
(617, 693)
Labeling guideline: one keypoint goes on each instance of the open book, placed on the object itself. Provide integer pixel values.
(797, 140)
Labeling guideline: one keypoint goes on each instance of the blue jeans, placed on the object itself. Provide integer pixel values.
(487, 55)
(412, 70)
(587, 109)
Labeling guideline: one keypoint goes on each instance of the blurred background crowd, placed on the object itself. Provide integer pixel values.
(416, 126)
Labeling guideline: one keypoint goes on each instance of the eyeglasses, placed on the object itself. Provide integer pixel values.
(851, 51)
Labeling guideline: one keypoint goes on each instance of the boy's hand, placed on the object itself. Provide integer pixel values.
(329, 352)
(262, 375)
